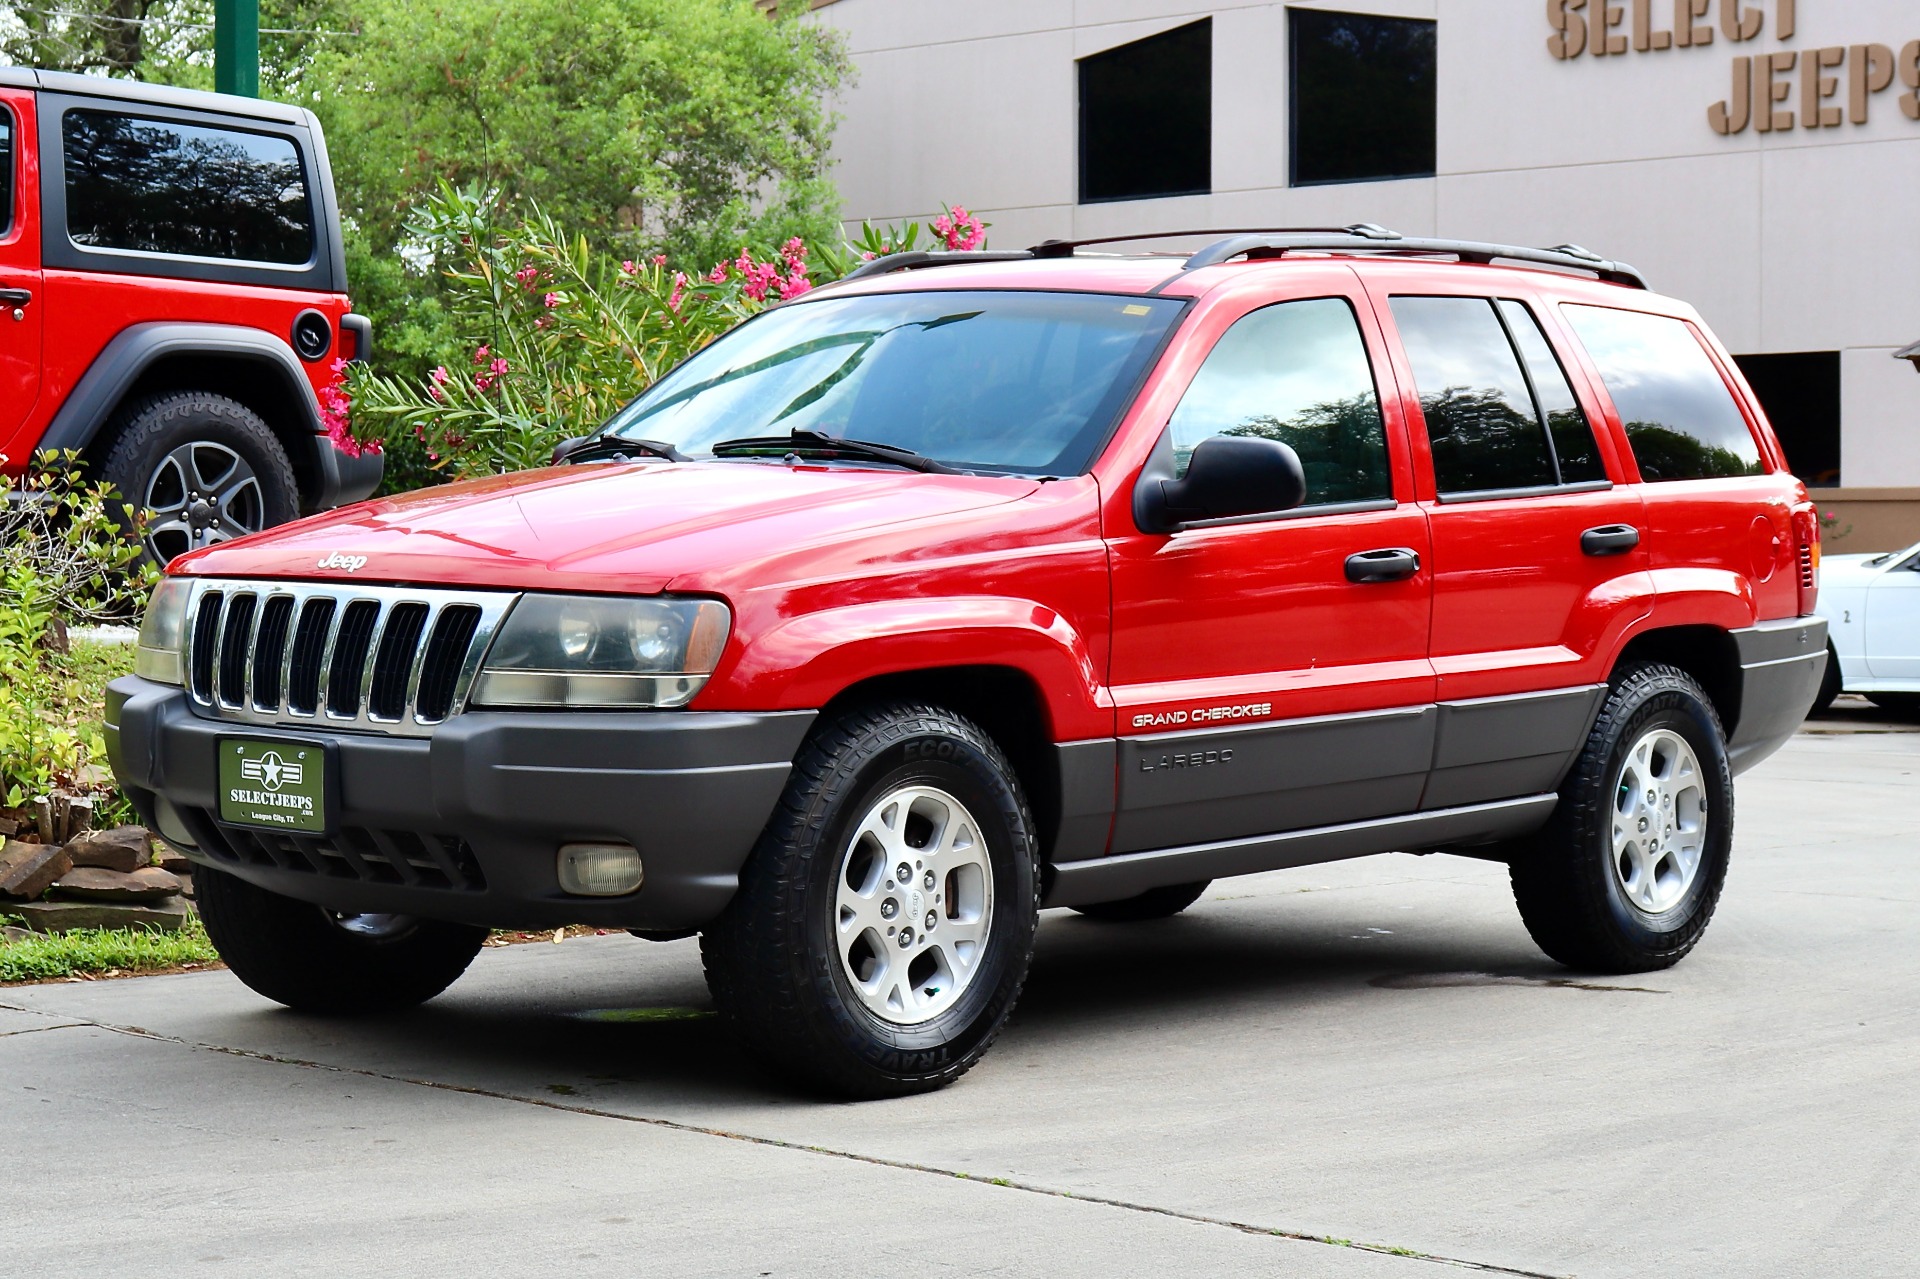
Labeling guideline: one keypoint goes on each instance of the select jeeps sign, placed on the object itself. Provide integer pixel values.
(274, 784)
(1771, 92)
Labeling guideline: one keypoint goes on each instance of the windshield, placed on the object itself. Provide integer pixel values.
(994, 381)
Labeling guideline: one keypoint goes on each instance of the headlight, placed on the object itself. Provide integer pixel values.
(163, 634)
(591, 650)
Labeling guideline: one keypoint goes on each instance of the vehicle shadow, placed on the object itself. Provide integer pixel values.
(632, 1035)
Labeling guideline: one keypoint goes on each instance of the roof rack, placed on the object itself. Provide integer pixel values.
(1362, 237)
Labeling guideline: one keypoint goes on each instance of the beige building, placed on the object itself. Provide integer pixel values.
(1760, 158)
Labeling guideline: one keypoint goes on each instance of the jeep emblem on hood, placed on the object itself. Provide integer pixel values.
(351, 563)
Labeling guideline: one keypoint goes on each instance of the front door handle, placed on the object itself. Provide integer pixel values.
(15, 297)
(1392, 564)
(1609, 539)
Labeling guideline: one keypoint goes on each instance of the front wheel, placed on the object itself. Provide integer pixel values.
(1627, 873)
(317, 960)
(885, 921)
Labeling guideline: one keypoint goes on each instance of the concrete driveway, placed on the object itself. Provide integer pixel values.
(1370, 1052)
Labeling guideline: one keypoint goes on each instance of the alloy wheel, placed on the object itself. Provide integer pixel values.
(201, 493)
(1659, 821)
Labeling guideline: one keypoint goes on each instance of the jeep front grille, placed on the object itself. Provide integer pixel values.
(383, 659)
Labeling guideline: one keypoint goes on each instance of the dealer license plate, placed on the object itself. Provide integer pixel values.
(280, 785)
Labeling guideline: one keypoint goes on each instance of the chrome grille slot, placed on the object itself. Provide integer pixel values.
(304, 659)
(270, 651)
(382, 659)
(350, 649)
(205, 645)
(236, 646)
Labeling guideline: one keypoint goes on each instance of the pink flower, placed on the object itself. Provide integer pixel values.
(719, 273)
(439, 378)
(794, 285)
(480, 356)
(629, 267)
(960, 229)
(554, 299)
(497, 368)
(679, 290)
(528, 276)
(659, 259)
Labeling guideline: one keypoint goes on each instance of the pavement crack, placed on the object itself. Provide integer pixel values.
(36, 1030)
(877, 1161)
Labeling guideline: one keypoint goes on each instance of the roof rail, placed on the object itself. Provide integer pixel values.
(1065, 248)
(1367, 238)
(919, 259)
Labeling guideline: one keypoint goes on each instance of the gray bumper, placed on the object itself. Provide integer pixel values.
(465, 825)
(343, 480)
(1781, 665)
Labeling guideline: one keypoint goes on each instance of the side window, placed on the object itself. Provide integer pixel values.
(6, 170)
(1573, 443)
(1296, 372)
(1482, 424)
(1680, 417)
(162, 186)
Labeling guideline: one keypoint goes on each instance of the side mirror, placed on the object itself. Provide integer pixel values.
(1227, 476)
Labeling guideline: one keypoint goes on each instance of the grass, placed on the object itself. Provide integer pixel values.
(105, 952)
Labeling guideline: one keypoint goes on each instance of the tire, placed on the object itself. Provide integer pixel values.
(1155, 903)
(1829, 685)
(807, 965)
(205, 467)
(304, 957)
(1578, 903)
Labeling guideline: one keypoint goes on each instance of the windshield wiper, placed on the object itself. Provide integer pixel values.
(802, 440)
(584, 447)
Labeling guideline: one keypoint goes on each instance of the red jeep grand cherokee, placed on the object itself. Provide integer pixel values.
(944, 595)
(173, 302)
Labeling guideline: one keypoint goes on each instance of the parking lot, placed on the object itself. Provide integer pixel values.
(1370, 1053)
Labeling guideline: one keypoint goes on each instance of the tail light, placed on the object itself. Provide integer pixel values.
(1806, 536)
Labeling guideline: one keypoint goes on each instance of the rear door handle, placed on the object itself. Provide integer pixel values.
(1609, 539)
(15, 297)
(1392, 564)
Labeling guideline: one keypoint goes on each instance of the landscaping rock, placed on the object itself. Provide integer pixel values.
(168, 858)
(11, 934)
(34, 874)
(96, 883)
(164, 916)
(124, 848)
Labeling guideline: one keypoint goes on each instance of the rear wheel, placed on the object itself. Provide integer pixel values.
(1155, 903)
(1627, 873)
(320, 961)
(1829, 685)
(205, 469)
(885, 921)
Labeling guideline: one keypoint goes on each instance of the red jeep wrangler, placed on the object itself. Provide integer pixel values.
(173, 303)
(944, 595)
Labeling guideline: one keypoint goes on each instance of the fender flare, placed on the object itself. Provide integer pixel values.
(810, 659)
(120, 365)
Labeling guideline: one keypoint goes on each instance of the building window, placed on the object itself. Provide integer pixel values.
(1146, 117)
(1363, 91)
(1801, 394)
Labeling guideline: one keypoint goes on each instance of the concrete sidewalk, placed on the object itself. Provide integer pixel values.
(1371, 1051)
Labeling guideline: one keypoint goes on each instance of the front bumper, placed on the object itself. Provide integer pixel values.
(465, 825)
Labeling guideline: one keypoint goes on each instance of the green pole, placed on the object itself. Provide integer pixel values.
(236, 47)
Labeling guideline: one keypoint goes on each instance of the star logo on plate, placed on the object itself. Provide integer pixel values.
(272, 771)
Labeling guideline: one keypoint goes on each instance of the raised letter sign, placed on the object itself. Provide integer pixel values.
(1816, 87)
(1645, 35)
(1607, 14)
(1872, 71)
(1910, 76)
(1738, 25)
(1569, 38)
(1768, 89)
(1731, 116)
(1687, 30)
(1785, 19)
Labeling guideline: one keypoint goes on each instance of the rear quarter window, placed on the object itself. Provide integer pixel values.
(1678, 412)
(167, 186)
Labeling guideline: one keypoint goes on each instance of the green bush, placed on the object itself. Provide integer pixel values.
(65, 560)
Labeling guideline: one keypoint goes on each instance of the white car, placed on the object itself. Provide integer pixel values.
(1872, 607)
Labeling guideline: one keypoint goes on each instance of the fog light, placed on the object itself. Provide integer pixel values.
(599, 870)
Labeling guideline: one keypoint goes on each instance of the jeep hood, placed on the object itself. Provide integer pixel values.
(630, 528)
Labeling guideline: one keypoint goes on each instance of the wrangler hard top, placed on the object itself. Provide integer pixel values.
(979, 584)
(173, 303)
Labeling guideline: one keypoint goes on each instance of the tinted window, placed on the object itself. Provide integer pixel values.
(1679, 415)
(1364, 95)
(1024, 382)
(1573, 443)
(6, 171)
(1297, 373)
(158, 186)
(1146, 117)
(1481, 423)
